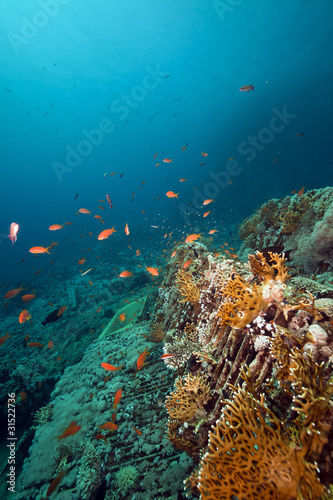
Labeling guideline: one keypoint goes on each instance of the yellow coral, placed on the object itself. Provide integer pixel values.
(248, 458)
(190, 396)
(179, 440)
(275, 269)
(187, 287)
(242, 303)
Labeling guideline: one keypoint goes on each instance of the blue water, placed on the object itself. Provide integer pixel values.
(153, 76)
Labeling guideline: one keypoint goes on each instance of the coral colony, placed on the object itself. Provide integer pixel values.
(232, 398)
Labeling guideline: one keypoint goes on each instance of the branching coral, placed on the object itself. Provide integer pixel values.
(187, 287)
(265, 270)
(42, 415)
(249, 458)
(242, 302)
(191, 395)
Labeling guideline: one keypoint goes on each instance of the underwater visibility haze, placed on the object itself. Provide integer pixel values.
(166, 249)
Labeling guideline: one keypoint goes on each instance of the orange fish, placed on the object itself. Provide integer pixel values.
(207, 202)
(192, 237)
(138, 252)
(127, 231)
(173, 254)
(167, 356)
(24, 316)
(212, 231)
(68, 224)
(137, 431)
(62, 310)
(23, 396)
(81, 261)
(106, 233)
(55, 227)
(97, 216)
(53, 486)
(204, 154)
(122, 317)
(110, 368)
(171, 194)
(155, 155)
(187, 263)
(101, 436)
(14, 292)
(40, 249)
(206, 213)
(125, 274)
(167, 160)
(301, 191)
(99, 309)
(110, 426)
(152, 270)
(50, 344)
(35, 344)
(182, 180)
(4, 338)
(70, 431)
(141, 359)
(28, 297)
(117, 398)
(84, 211)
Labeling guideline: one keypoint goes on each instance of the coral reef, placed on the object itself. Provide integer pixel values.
(301, 225)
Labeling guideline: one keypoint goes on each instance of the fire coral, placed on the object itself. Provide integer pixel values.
(249, 458)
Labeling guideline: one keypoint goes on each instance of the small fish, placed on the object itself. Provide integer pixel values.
(101, 436)
(182, 180)
(99, 309)
(167, 356)
(171, 194)
(192, 237)
(167, 160)
(187, 263)
(212, 231)
(35, 344)
(110, 368)
(50, 344)
(152, 270)
(137, 431)
(246, 88)
(4, 338)
(110, 426)
(84, 211)
(301, 191)
(81, 261)
(97, 217)
(184, 147)
(28, 297)
(13, 230)
(206, 213)
(77, 194)
(53, 486)
(23, 396)
(37, 250)
(299, 135)
(52, 317)
(125, 274)
(208, 201)
(109, 201)
(127, 231)
(117, 398)
(70, 431)
(141, 359)
(204, 154)
(12, 293)
(62, 310)
(122, 317)
(55, 227)
(24, 316)
(106, 233)
(86, 272)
